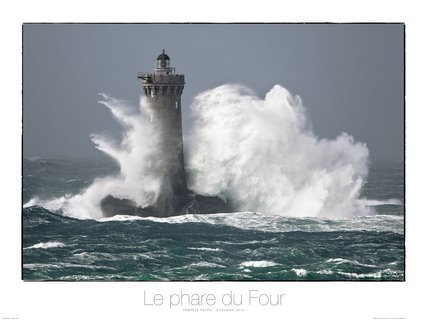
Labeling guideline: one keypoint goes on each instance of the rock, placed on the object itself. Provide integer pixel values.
(177, 205)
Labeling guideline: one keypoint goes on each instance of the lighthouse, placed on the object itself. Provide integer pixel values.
(162, 90)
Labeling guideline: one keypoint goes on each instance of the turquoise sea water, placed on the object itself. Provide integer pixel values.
(235, 246)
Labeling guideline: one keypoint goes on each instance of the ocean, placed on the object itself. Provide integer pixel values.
(232, 246)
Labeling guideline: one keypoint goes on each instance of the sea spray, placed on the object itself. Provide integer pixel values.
(135, 180)
(261, 155)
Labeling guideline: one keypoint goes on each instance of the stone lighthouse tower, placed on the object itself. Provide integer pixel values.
(162, 93)
(162, 105)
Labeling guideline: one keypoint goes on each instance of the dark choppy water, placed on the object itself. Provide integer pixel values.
(238, 246)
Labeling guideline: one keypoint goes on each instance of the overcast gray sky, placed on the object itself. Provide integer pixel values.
(349, 76)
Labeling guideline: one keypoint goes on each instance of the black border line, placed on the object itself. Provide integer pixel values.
(217, 23)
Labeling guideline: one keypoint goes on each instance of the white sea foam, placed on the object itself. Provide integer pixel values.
(277, 223)
(325, 271)
(47, 245)
(85, 257)
(261, 155)
(40, 266)
(103, 277)
(120, 218)
(134, 180)
(361, 275)
(300, 272)
(353, 275)
(50, 204)
(372, 202)
(258, 264)
(205, 249)
(354, 262)
(63, 265)
(31, 202)
(206, 264)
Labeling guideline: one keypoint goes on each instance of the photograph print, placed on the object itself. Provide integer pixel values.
(212, 152)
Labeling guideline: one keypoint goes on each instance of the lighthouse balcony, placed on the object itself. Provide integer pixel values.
(146, 77)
